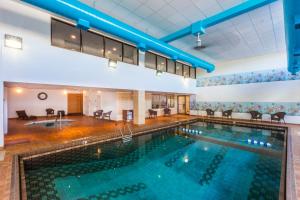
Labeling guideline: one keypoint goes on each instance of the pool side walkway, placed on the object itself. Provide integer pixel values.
(21, 139)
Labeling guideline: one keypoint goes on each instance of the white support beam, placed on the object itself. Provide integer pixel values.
(139, 107)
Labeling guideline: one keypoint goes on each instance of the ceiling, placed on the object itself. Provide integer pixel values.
(252, 34)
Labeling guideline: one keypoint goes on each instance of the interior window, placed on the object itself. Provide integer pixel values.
(92, 43)
(113, 49)
(192, 72)
(150, 60)
(161, 63)
(171, 66)
(179, 68)
(130, 54)
(186, 71)
(65, 35)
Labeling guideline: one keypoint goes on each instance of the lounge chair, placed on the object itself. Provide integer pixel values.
(167, 111)
(22, 115)
(210, 112)
(50, 112)
(98, 113)
(279, 116)
(152, 113)
(106, 115)
(255, 115)
(227, 113)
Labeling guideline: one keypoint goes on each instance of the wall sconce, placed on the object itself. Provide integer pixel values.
(159, 72)
(65, 92)
(19, 90)
(112, 64)
(13, 41)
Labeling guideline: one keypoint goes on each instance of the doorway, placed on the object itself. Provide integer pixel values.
(183, 105)
(75, 104)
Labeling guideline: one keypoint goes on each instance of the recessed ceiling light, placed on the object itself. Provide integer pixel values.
(108, 52)
(73, 37)
(114, 49)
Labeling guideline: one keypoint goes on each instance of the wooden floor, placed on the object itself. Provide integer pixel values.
(23, 138)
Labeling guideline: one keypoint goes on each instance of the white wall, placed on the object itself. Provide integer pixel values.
(258, 63)
(280, 91)
(39, 62)
(27, 100)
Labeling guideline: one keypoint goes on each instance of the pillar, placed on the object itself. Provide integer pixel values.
(1, 114)
(139, 107)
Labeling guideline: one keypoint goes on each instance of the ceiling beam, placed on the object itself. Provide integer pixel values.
(200, 26)
(291, 10)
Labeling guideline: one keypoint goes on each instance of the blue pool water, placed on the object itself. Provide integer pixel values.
(162, 165)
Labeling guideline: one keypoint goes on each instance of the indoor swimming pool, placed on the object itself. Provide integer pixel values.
(167, 164)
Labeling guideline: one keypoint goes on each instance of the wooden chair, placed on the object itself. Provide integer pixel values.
(106, 115)
(98, 113)
(255, 115)
(22, 115)
(50, 112)
(167, 111)
(279, 116)
(227, 113)
(210, 112)
(152, 113)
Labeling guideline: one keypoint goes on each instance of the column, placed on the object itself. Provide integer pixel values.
(1, 114)
(139, 107)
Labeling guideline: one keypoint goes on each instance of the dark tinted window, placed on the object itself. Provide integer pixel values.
(186, 71)
(130, 54)
(171, 66)
(65, 35)
(161, 63)
(193, 72)
(150, 60)
(113, 49)
(179, 68)
(92, 43)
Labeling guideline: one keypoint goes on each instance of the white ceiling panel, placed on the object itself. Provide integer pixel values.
(258, 32)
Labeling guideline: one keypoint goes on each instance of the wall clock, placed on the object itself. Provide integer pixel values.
(42, 96)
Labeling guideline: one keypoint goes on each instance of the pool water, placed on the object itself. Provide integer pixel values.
(162, 165)
(252, 137)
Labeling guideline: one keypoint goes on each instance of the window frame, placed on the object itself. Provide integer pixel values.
(93, 32)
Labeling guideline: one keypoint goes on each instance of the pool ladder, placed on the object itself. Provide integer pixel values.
(125, 137)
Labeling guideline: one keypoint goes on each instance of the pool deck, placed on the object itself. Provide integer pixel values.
(23, 139)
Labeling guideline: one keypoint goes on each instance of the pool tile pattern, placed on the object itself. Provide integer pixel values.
(213, 166)
(266, 179)
(117, 192)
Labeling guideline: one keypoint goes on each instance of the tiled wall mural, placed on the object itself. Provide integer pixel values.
(249, 77)
(290, 108)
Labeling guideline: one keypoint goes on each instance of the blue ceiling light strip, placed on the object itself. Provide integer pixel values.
(200, 26)
(87, 17)
(292, 34)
